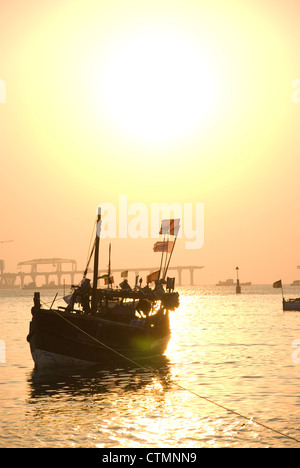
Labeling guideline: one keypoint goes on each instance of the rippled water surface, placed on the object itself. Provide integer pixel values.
(227, 352)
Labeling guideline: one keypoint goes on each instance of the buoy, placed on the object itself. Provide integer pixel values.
(238, 287)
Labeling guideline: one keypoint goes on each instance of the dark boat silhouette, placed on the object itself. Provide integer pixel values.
(106, 325)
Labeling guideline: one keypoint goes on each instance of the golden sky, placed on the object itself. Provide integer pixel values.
(162, 101)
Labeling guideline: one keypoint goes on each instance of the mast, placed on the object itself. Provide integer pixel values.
(96, 262)
(170, 256)
(161, 259)
(175, 233)
(109, 255)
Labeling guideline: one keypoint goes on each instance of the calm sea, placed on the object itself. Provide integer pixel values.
(237, 351)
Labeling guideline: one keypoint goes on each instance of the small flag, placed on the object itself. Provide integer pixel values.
(109, 280)
(277, 284)
(170, 226)
(103, 276)
(153, 277)
(165, 246)
(106, 278)
(124, 274)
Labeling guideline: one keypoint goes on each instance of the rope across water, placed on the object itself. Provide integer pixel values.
(209, 400)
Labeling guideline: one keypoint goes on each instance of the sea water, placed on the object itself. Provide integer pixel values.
(229, 378)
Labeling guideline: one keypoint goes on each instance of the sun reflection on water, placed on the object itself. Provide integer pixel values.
(223, 347)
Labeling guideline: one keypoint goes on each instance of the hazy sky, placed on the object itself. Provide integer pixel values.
(186, 102)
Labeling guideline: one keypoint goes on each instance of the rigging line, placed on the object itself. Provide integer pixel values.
(92, 235)
(100, 342)
(88, 258)
(237, 413)
(53, 300)
(88, 262)
(45, 303)
(181, 386)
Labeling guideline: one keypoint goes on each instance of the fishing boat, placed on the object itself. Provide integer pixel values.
(295, 283)
(101, 326)
(291, 304)
(231, 282)
(287, 304)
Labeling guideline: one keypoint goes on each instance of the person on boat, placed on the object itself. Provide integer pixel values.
(125, 285)
(80, 295)
(159, 290)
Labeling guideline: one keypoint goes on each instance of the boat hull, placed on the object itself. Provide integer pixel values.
(44, 359)
(291, 305)
(66, 339)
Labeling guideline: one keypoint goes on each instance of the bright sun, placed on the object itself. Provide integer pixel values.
(156, 87)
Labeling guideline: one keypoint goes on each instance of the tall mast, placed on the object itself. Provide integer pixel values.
(175, 233)
(109, 254)
(167, 266)
(161, 259)
(96, 261)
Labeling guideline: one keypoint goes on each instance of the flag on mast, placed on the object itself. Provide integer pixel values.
(170, 226)
(277, 284)
(153, 276)
(107, 279)
(164, 246)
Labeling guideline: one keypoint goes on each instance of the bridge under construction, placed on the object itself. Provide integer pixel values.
(56, 271)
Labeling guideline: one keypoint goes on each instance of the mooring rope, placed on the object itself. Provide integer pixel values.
(209, 400)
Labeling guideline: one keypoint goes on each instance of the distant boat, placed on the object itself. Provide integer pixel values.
(295, 283)
(287, 304)
(50, 285)
(291, 304)
(31, 285)
(230, 282)
(101, 326)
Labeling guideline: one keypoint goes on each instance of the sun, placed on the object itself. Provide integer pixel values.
(157, 86)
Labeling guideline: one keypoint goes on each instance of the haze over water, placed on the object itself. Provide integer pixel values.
(161, 102)
(236, 350)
